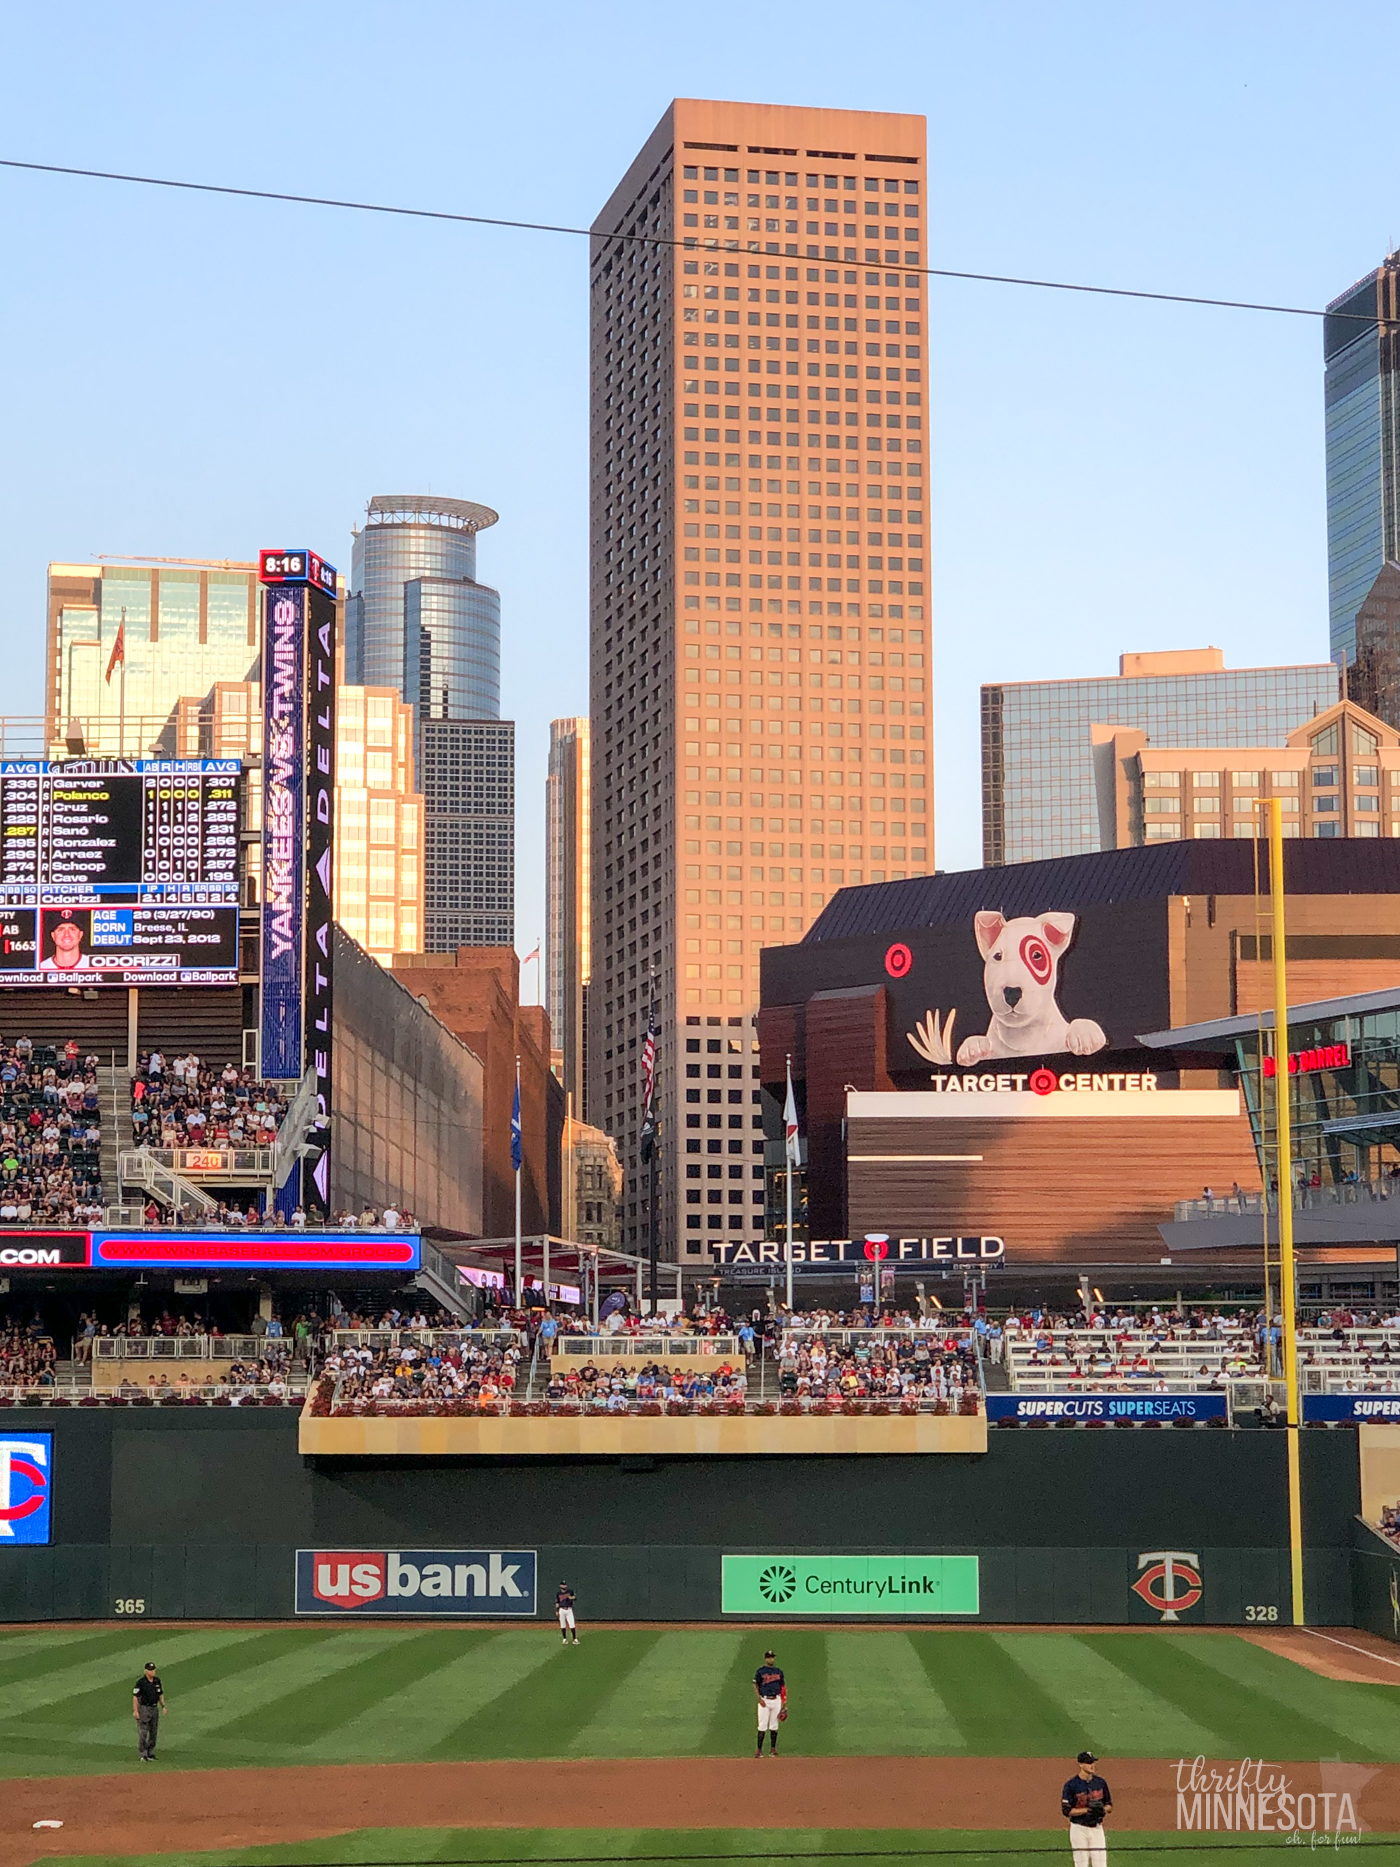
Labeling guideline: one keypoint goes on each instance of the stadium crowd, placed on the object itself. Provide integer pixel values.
(50, 1135)
(185, 1104)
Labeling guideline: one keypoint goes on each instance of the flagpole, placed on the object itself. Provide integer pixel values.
(518, 1164)
(121, 703)
(787, 1149)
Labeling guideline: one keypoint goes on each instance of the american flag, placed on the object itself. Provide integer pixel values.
(648, 1135)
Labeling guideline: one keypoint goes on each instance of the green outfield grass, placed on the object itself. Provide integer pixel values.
(379, 1693)
(718, 1847)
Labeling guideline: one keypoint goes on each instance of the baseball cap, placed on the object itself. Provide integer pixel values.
(1086, 1756)
(150, 1666)
(768, 1653)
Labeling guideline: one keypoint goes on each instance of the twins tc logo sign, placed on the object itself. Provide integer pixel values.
(26, 1466)
(415, 1581)
(1170, 1580)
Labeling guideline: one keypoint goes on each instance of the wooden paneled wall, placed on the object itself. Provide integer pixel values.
(1070, 1191)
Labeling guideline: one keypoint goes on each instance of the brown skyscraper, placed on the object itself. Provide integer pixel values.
(760, 648)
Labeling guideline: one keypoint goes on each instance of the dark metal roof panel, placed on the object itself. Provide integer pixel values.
(1340, 866)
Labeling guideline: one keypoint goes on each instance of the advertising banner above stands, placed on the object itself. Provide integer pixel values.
(348, 1250)
(1360, 1409)
(415, 1581)
(845, 1585)
(1108, 1407)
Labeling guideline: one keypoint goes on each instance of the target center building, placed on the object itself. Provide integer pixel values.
(995, 1052)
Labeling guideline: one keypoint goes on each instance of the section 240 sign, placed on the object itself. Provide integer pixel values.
(416, 1581)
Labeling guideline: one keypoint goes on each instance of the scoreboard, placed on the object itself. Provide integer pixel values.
(119, 872)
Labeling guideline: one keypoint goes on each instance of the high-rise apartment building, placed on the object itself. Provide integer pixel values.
(417, 619)
(566, 914)
(760, 693)
(1361, 347)
(468, 774)
(1048, 784)
(128, 643)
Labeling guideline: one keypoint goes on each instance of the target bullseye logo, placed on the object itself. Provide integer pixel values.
(1044, 1082)
(877, 1246)
(899, 961)
(778, 1584)
(1035, 956)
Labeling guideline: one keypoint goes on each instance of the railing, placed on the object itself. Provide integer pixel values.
(613, 1406)
(652, 1347)
(184, 1347)
(204, 1393)
(247, 1164)
(1305, 1199)
(876, 1338)
(137, 1168)
(421, 1338)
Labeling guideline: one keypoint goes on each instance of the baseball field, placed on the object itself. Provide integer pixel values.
(376, 1742)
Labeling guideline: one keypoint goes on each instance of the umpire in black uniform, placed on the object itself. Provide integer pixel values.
(147, 1703)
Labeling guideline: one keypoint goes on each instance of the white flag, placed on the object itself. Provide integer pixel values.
(794, 1152)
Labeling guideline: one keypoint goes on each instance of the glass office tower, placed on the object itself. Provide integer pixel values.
(418, 620)
(430, 543)
(129, 643)
(1041, 739)
(1361, 346)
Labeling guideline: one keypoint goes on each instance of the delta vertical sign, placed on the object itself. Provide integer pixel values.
(298, 829)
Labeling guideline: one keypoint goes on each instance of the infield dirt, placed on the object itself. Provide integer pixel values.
(147, 1813)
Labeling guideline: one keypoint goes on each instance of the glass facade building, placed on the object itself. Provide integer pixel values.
(410, 538)
(418, 620)
(1361, 345)
(181, 628)
(1040, 794)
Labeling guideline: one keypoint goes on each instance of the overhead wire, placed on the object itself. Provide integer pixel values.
(659, 240)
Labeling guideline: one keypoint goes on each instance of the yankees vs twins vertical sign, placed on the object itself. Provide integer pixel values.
(298, 827)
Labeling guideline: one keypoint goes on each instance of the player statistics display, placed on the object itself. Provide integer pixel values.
(119, 872)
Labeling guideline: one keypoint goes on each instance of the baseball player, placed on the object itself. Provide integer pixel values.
(1084, 1801)
(770, 1689)
(564, 1604)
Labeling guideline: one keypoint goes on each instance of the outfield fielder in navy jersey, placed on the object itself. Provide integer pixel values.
(770, 1689)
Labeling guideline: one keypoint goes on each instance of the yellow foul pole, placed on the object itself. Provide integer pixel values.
(1288, 1281)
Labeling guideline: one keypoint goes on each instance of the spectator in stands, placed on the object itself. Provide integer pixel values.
(50, 1138)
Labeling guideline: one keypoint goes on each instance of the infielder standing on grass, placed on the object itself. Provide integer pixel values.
(770, 1689)
(1085, 1800)
(564, 1602)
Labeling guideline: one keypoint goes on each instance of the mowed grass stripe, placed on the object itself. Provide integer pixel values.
(552, 1703)
(1113, 1709)
(71, 1695)
(1272, 1706)
(407, 1722)
(883, 1700)
(200, 1673)
(26, 1658)
(663, 1707)
(999, 1709)
(289, 1720)
(811, 1727)
(733, 1717)
(241, 1712)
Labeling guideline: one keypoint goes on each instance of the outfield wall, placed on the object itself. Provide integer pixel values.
(199, 1515)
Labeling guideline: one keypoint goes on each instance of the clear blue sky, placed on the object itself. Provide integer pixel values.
(193, 376)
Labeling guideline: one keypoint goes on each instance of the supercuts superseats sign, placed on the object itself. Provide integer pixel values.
(416, 1581)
